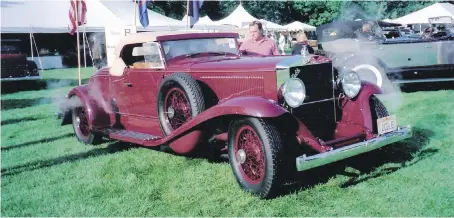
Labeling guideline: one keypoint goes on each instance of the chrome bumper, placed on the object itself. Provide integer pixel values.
(308, 162)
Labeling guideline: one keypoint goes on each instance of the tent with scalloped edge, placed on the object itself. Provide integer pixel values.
(205, 23)
(423, 15)
(238, 18)
(296, 26)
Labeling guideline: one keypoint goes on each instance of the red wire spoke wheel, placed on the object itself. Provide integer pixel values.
(256, 156)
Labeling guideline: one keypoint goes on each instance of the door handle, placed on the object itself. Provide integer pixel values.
(128, 84)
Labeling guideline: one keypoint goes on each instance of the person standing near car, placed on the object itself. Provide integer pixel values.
(301, 42)
(258, 44)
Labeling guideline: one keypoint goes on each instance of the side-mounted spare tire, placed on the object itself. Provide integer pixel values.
(371, 70)
(180, 99)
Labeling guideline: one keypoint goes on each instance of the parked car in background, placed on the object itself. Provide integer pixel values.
(386, 55)
(272, 116)
(15, 66)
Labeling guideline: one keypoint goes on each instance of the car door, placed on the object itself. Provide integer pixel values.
(400, 54)
(143, 80)
(119, 99)
(439, 52)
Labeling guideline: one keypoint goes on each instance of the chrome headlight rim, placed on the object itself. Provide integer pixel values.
(285, 93)
(351, 84)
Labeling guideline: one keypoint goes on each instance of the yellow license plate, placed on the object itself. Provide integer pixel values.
(386, 124)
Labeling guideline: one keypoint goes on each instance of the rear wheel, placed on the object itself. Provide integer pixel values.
(81, 127)
(256, 156)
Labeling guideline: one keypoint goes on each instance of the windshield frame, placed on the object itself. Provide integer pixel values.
(188, 54)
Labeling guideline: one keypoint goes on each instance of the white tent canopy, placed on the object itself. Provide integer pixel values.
(202, 20)
(272, 26)
(423, 15)
(51, 16)
(296, 26)
(205, 23)
(239, 17)
(124, 9)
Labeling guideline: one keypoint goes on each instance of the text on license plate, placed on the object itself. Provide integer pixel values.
(386, 124)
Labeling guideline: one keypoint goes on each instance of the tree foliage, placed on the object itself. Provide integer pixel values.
(307, 11)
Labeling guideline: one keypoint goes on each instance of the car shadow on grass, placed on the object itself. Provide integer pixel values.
(9, 104)
(368, 165)
(26, 144)
(19, 120)
(111, 148)
(51, 83)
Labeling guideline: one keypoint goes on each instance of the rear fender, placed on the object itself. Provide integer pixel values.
(98, 116)
(356, 113)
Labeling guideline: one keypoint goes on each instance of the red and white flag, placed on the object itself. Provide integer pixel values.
(81, 8)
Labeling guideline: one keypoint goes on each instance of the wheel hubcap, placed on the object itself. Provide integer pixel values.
(170, 112)
(241, 156)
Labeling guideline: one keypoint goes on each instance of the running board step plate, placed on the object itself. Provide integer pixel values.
(129, 136)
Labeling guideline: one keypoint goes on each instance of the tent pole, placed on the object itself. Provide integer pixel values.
(37, 52)
(85, 55)
(78, 46)
(31, 45)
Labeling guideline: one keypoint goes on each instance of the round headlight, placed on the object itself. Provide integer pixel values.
(294, 92)
(351, 84)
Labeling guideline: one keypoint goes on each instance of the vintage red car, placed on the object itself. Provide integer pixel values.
(14, 63)
(271, 115)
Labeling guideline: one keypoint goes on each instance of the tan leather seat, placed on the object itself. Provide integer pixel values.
(142, 65)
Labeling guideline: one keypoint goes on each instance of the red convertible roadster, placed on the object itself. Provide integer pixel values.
(272, 115)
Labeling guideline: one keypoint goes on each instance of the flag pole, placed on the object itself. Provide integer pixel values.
(78, 46)
(83, 41)
(187, 16)
(135, 14)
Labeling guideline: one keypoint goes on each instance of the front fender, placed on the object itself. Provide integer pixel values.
(356, 113)
(97, 115)
(181, 139)
(248, 106)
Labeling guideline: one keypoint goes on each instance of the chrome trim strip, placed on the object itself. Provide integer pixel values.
(328, 99)
(308, 162)
(21, 78)
(423, 80)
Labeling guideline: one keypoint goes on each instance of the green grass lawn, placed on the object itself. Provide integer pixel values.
(46, 172)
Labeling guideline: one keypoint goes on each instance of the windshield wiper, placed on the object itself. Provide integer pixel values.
(211, 53)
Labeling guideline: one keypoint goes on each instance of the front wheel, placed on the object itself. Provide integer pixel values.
(256, 156)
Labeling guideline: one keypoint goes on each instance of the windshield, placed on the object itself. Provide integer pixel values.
(177, 48)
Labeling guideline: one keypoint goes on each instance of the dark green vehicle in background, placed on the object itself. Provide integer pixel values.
(386, 53)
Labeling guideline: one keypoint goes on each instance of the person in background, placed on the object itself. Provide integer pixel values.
(301, 41)
(282, 42)
(258, 44)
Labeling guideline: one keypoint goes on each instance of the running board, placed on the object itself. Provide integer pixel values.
(128, 136)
